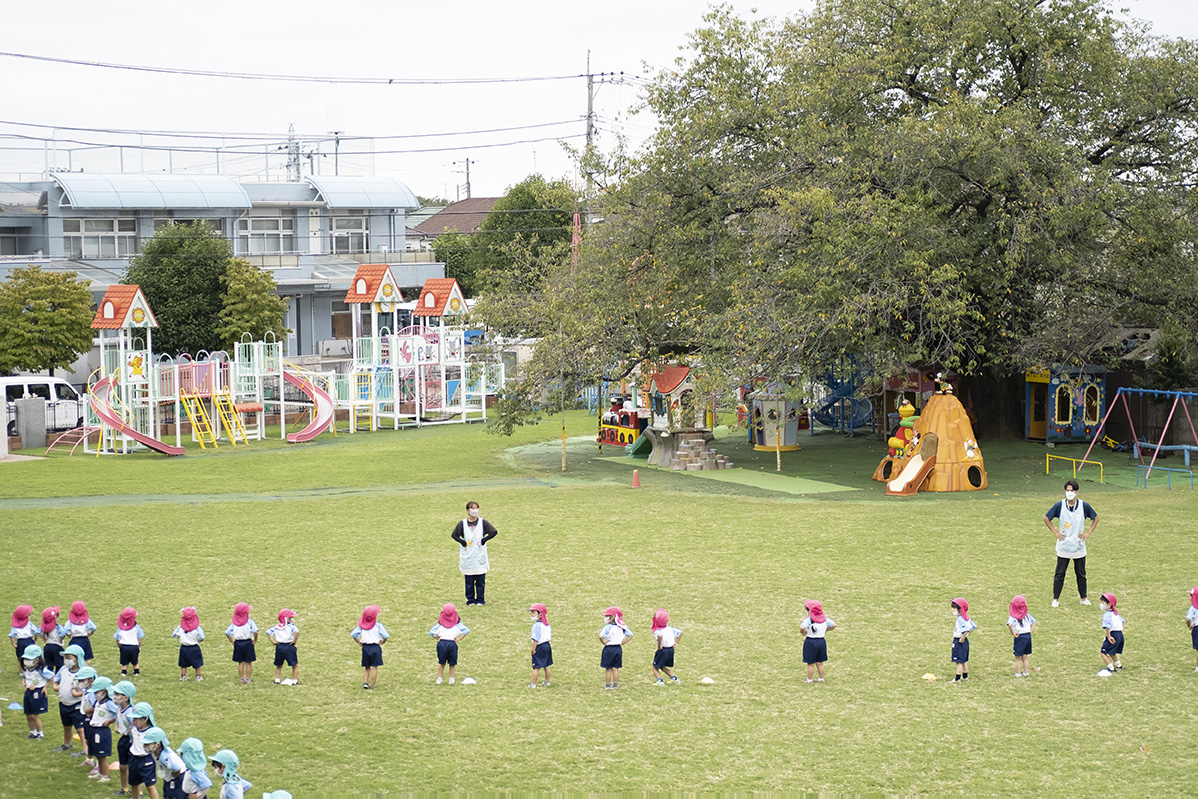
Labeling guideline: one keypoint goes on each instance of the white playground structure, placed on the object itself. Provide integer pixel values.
(419, 376)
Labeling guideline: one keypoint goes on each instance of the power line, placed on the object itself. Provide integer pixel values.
(203, 73)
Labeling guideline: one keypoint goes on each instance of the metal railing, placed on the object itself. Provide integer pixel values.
(1074, 461)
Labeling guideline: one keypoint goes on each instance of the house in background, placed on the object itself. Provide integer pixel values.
(311, 235)
(464, 216)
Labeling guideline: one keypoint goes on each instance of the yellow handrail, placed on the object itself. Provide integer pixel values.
(1074, 461)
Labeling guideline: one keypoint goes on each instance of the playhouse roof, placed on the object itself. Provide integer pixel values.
(670, 377)
(123, 306)
(440, 296)
(373, 283)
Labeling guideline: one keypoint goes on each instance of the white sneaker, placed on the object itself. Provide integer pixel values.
(1056, 603)
(534, 685)
(1119, 666)
(1085, 602)
(278, 681)
(1196, 668)
(1018, 674)
(1105, 673)
(451, 680)
(660, 682)
(439, 681)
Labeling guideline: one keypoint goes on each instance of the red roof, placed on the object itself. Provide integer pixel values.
(463, 216)
(117, 301)
(374, 275)
(670, 378)
(442, 291)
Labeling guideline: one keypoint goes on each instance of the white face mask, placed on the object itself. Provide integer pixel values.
(472, 513)
(29, 663)
(1070, 495)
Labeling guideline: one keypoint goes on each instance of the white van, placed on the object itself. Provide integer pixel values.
(64, 405)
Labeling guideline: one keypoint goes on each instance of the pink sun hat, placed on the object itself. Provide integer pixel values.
(449, 616)
(241, 613)
(616, 613)
(127, 619)
(1194, 597)
(963, 605)
(189, 619)
(539, 608)
(1019, 607)
(661, 620)
(1110, 599)
(79, 613)
(20, 616)
(815, 610)
(50, 618)
(370, 615)
(285, 614)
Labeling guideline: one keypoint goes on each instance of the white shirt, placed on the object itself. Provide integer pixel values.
(448, 633)
(124, 719)
(169, 763)
(136, 747)
(1021, 626)
(541, 632)
(817, 629)
(1112, 621)
(188, 637)
(1192, 615)
(375, 635)
(81, 630)
(242, 632)
(962, 626)
(66, 682)
(667, 636)
(56, 635)
(129, 637)
(195, 782)
(35, 678)
(614, 634)
(104, 712)
(283, 633)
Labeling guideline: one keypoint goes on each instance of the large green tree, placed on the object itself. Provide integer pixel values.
(180, 272)
(249, 304)
(982, 186)
(45, 320)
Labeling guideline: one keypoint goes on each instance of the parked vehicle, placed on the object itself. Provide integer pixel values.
(64, 405)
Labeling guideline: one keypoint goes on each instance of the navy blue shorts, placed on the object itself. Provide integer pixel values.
(815, 650)
(243, 651)
(53, 656)
(1023, 644)
(542, 657)
(960, 651)
(122, 750)
(190, 657)
(99, 741)
(141, 770)
(36, 702)
(372, 655)
(71, 715)
(613, 657)
(130, 653)
(22, 645)
(84, 643)
(664, 658)
(447, 652)
(1113, 649)
(1194, 636)
(173, 788)
(285, 653)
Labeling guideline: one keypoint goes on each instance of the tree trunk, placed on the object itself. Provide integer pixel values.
(995, 403)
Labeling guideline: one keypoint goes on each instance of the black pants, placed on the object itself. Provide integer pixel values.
(476, 589)
(1079, 571)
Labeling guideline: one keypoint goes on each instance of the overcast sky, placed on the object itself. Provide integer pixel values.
(403, 41)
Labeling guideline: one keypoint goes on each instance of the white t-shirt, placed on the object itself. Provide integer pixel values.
(541, 632)
(667, 636)
(1112, 621)
(129, 637)
(283, 633)
(614, 634)
(963, 626)
(1021, 626)
(136, 747)
(66, 682)
(1192, 615)
(124, 720)
(242, 632)
(817, 629)
(448, 633)
(189, 637)
(104, 712)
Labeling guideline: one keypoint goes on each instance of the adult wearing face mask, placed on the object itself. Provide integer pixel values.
(1071, 514)
(472, 535)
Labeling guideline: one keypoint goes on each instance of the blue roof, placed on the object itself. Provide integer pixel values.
(154, 192)
(346, 192)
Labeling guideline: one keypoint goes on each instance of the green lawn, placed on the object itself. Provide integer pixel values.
(329, 527)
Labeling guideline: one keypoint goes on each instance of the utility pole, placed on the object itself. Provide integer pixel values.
(336, 152)
(467, 162)
(590, 107)
(293, 156)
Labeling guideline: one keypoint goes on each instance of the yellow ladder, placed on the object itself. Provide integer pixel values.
(230, 418)
(200, 425)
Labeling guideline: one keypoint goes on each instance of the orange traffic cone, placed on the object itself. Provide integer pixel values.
(636, 478)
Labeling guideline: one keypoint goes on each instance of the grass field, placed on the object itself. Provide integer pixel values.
(329, 527)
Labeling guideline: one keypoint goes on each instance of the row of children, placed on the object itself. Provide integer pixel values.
(91, 705)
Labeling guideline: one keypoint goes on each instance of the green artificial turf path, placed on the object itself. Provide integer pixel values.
(329, 527)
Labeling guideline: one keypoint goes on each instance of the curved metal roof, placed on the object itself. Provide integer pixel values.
(346, 192)
(151, 191)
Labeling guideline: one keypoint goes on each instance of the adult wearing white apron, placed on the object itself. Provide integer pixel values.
(1071, 536)
(472, 535)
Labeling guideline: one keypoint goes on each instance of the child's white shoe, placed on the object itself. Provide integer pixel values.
(819, 679)
(1085, 602)
(439, 681)
(676, 680)
(1105, 672)
(451, 680)
(659, 682)
(183, 678)
(1119, 666)
(278, 681)
(808, 681)
(1056, 603)
(534, 685)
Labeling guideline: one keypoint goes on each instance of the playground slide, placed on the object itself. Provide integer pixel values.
(97, 398)
(641, 447)
(912, 477)
(322, 414)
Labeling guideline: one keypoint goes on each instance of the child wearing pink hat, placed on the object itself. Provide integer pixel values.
(53, 636)
(815, 641)
(243, 634)
(1021, 624)
(1112, 630)
(962, 627)
(128, 637)
(370, 635)
(542, 649)
(448, 631)
(190, 633)
(23, 634)
(666, 637)
(614, 635)
(1192, 622)
(285, 637)
(79, 630)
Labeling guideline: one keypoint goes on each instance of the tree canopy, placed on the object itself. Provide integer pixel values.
(249, 304)
(45, 320)
(987, 187)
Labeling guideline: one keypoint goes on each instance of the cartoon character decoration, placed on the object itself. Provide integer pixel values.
(971, 448)
(904, 435)
(135, 367)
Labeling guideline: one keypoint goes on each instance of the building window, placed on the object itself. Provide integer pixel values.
(1092, 404)
(99, 238)
(1064, 404)
(261, 235)
(343, 320)
(349, 234)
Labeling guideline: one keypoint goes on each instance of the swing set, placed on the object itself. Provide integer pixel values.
(1179, 399)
